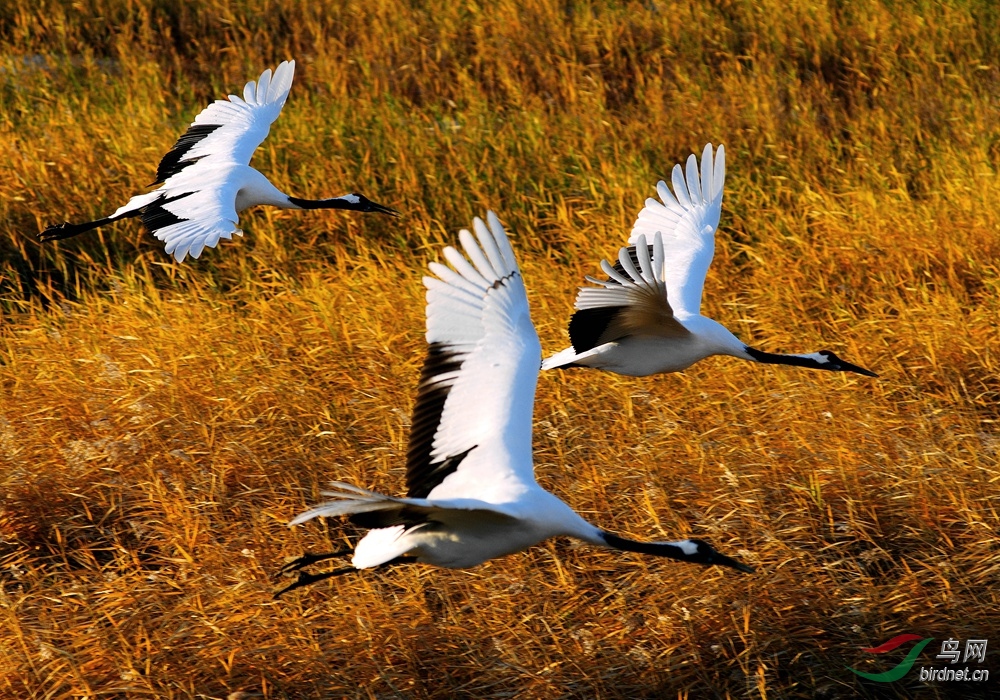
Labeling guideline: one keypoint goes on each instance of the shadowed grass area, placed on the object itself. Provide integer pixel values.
(160, 423)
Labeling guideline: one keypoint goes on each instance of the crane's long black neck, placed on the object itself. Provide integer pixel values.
(694, 551)
(332, 203)
(823, 359)
(352, 202)
(659, 549)
(772, 358)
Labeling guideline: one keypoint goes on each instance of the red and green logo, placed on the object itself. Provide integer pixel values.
(900, 669)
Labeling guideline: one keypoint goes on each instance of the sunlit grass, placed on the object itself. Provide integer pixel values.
(159, 424)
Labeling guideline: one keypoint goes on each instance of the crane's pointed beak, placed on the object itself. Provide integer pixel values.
(376, 207)
(722, 560)
(848, 367)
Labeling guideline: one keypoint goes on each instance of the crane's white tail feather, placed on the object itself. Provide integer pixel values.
(560, 359)
(379, 546)
(349, 500)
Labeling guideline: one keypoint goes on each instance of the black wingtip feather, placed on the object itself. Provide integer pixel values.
(155, 216)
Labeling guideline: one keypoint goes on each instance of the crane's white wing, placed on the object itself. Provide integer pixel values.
(194, 208)
(631, 302)
(231, 130)
(470, 437)
(687, 219)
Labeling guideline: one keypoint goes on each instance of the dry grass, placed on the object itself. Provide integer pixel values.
(159, 423)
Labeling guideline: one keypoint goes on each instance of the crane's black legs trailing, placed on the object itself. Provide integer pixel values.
(309, 559)
(304, 578)
(307, 579)
(58, 232)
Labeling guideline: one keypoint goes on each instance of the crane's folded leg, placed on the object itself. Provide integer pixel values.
(309, 559)
(307, 579)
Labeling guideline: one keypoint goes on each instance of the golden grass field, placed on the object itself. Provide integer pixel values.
(160, 423)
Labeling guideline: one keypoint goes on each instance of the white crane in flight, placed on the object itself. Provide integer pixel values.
(205, 180)
(646, 317)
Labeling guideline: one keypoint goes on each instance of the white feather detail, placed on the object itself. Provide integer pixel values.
(479, 310)
(687, 218)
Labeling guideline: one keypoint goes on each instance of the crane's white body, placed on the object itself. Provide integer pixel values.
(491, 504)
(472, 490)
(206, 179)
(648, 321)
(211, 213)
(468, 532)
(645, 355)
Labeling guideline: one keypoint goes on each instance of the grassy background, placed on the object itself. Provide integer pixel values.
(159, 424)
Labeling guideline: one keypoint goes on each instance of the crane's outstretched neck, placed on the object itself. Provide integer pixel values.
(824, 359)
(353, 202)
(695, 551)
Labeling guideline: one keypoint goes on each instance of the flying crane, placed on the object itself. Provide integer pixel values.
(205, 180)
(645, 318)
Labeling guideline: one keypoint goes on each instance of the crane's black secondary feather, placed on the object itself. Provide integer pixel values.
(155, 216)
(586, 326)
(421, 474)
(174, 162)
